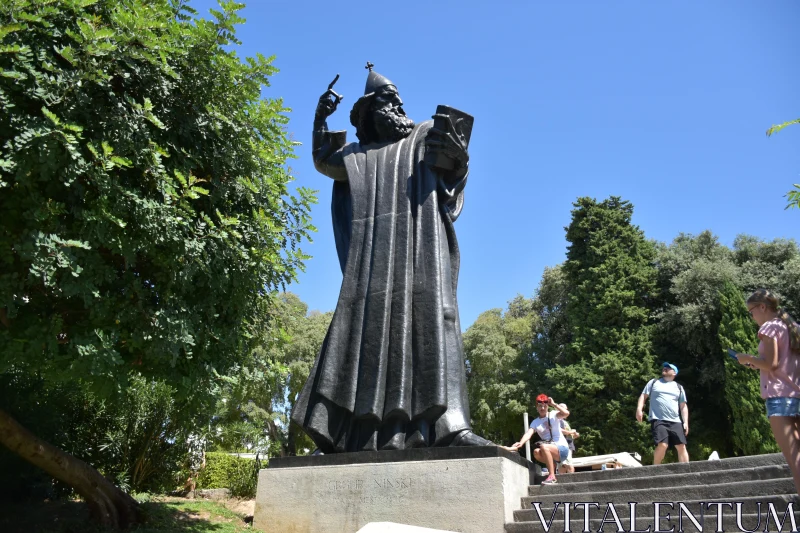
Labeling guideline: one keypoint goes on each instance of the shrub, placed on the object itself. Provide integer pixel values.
(147, 440)
(223, 470)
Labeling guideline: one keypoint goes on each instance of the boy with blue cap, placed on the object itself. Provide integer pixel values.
(669, 415)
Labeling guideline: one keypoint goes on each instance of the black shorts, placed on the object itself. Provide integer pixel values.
(669, 432)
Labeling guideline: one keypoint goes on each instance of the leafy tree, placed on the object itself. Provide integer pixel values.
(750, 430)
(551, 334)
(308, 333)
(611, 279)
(257, 397)
(793, 196)
(774, 265)
(693, 271)
(146, 211)
(497, 393)
(695, 314)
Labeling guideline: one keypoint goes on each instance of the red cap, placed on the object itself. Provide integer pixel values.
(542, 398)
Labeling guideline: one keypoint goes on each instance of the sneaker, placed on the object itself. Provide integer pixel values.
(551, 479)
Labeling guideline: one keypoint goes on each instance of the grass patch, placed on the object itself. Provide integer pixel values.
(190, 517)
(162, 515)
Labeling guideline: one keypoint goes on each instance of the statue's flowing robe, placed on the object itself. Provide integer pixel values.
(390, 374)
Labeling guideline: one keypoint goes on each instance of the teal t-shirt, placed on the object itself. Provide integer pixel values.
(665, 398)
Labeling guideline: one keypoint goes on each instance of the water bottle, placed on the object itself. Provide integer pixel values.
(603, 467)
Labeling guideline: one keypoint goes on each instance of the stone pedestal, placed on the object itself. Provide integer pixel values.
(391, 527)
(468, 490)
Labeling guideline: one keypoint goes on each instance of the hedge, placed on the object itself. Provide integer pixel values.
(223, 470)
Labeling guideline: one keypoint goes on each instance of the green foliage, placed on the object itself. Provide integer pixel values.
(775, 128)
(147, 442)
(610, 273)
(147, 219)
(60, 414)
(256, 398)
(692, 273)
(774, 264)
(223, 470)
(141, 442)
(541, 337)
(793, 196)
(694, 277)
(307, 333)
(551, 334)
(146, 211)
(750, 430)
(497, 392)
(594, 322)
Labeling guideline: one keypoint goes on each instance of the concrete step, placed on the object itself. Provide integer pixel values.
(732, 463)
(718, 492)
(747, 522)
(645, 509)
(664, 480)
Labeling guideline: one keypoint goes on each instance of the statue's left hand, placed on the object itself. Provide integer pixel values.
(450, 142)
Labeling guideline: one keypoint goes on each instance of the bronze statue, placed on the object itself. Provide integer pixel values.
(390, 374)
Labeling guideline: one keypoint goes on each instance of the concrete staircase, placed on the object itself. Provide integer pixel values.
(742, 482)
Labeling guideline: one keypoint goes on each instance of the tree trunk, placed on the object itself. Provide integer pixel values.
(272, 428)
(291, 447)
(108, 505)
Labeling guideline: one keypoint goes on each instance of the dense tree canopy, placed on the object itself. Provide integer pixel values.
(750, 430)
(497, 392)
(598, 325)
(147, 216)
(258, 395)
(145, 200)
(611, 279)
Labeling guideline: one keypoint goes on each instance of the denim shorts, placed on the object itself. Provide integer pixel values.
(563, 450)
(783, 406)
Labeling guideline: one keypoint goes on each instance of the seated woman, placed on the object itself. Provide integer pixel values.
(553, 446)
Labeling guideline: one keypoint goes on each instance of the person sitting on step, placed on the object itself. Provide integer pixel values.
(553, 446)
(570, 435)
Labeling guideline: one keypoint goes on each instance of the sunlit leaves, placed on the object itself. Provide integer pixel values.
(793, 197)
(775, 128)
(147, 210)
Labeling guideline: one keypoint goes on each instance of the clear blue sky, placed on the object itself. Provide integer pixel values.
(664, 103)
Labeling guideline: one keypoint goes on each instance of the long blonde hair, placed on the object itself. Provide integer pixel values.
(763, 296)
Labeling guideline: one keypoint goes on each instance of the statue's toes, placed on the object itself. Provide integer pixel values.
(468, 438)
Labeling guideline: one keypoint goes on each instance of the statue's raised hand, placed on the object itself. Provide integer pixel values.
(328, 102)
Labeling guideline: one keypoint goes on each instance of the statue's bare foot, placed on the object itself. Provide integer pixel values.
(468, 438)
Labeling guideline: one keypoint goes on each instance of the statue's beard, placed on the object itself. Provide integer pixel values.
(392, 126)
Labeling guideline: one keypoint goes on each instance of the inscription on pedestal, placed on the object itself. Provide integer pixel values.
(377, 490)
(468, 495)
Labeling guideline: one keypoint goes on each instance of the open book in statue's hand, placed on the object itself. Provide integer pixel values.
(448, 139)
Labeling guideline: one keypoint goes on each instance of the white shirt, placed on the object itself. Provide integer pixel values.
(544, 427)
